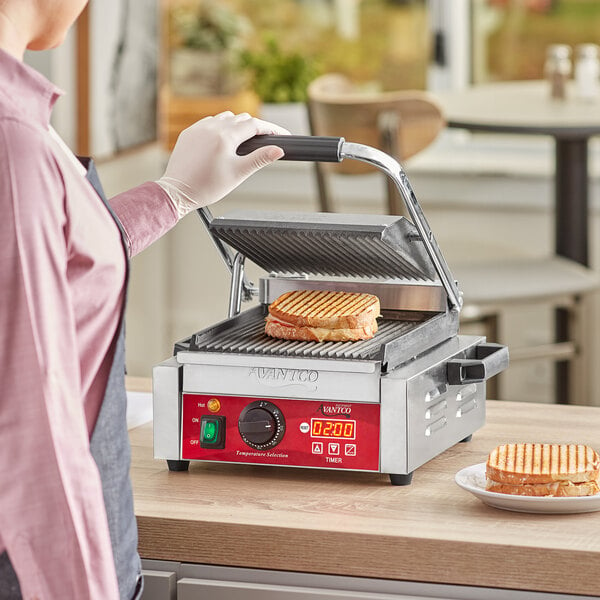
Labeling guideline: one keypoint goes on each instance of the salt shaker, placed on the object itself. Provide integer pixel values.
(587, 71)
(558, 69)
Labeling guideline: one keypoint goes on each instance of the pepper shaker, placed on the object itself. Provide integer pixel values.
(558, 69)
(587, 71)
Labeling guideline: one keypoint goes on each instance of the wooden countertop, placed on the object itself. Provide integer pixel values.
(358, 524)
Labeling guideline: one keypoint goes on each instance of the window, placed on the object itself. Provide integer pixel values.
(385, 42)
(510, 37)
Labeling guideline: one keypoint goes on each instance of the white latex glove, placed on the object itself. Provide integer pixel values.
(204, 166)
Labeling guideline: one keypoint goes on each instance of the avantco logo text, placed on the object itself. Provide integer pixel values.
(330, 410)
(277, 377)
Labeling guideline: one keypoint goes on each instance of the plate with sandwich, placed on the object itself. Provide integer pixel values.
(537, 478)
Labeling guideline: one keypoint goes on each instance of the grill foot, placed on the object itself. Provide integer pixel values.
(396, 479)
(178, 465)
(467, 439)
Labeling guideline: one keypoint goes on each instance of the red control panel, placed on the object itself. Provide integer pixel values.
(303, 433)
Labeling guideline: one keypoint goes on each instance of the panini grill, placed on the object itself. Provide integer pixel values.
(230, 393)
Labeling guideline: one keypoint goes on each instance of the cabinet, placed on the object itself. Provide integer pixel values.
(167, 580)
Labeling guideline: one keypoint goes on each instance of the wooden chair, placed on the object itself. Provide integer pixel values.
(400, 123)
(403, 123)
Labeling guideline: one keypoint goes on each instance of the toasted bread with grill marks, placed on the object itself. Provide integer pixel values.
(324, 309)
(543, 470)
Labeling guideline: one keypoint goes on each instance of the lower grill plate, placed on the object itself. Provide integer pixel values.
(394, 343)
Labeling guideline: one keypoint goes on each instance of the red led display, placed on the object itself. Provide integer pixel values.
(333, 428)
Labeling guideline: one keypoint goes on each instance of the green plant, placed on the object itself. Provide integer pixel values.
(278, 76)
(206, 25)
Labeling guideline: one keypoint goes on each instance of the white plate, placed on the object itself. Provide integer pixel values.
(472, 479)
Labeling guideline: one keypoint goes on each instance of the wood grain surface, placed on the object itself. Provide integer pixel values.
(351, 523)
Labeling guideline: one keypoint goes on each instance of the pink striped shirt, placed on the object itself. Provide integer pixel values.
(61, 283)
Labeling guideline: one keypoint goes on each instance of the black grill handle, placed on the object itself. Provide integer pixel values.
(297, 147)
(490, 359)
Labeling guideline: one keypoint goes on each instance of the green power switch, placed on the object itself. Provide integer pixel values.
(209, 433)
(212, 431)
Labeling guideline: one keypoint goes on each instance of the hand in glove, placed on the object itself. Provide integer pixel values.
(204, 166)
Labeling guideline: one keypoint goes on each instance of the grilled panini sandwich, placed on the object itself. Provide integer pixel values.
(313, 315)
(543, 470)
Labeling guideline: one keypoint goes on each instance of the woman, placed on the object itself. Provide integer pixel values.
(67, 528)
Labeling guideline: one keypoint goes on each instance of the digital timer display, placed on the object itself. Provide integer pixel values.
(333, 428)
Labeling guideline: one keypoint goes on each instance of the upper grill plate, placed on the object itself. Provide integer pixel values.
(326, 244)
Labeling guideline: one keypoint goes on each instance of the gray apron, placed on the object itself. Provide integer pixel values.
(109, 445)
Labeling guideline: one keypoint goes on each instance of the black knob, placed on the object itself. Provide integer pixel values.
(258, 426)
(261, 425)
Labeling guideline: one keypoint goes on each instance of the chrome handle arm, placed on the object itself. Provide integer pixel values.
(248, 290)
(394, 170)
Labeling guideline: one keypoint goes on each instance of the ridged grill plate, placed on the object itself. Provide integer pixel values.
(327, 244)
(396, 341)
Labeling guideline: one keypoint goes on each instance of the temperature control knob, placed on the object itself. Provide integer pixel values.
(261, 425)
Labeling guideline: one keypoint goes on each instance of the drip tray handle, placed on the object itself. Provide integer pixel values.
(490, 359)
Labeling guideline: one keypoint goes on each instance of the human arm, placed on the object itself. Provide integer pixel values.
(203, 168)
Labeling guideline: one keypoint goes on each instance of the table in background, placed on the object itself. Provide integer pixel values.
(525, 107)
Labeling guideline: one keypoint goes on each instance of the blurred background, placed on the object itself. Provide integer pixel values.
(136, 73)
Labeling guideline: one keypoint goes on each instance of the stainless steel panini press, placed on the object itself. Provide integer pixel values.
(389, 404)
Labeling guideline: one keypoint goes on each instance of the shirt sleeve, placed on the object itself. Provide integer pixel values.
(146, 213)
(52, 517)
